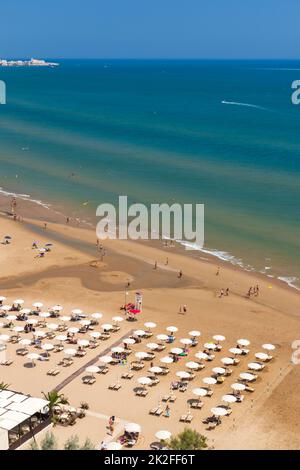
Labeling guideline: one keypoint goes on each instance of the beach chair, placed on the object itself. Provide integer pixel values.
(22, 352)
(197, 404)
(173, 398)
(159, 411)
(165, 371)
(187, 418)
(249, 389)
(142, 393)
(166, 398)
(115, 387)
(127, 376)
(103, 370)
(153, 410)
(94, 345)
(7, 363)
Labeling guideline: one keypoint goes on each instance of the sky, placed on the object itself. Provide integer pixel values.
(225, 29)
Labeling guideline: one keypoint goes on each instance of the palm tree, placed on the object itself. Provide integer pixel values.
(55, 399)
(188, 439)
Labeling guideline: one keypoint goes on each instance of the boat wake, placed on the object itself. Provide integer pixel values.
(248, 105)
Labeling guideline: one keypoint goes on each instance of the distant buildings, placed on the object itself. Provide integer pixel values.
(27, 63)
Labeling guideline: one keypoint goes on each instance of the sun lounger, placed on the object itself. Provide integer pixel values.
(80, 353)
(114, 387)
(249, 389)
(148, 334)
(186, 418)
(7, 363)
(103, 370)
(165, 371)
(22, 352)
(197, 404)
(53, 372)
(127, 375)
(94, 345)
(137, 366)
(141, 393)
(173, 398)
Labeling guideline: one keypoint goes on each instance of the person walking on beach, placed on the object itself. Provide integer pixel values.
(67, 220)
(155, 265)
(45, 226)
(218, 271)
(167, 261)
(227, 291)
(184, 309)
(167, 412)
(180, 274)
(221, 293)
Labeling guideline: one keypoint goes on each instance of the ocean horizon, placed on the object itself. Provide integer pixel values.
(221, 133)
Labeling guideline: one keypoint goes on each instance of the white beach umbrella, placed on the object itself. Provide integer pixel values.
(39, 334)
(4, 338)
(52, 326)
(117, 319)
(38, 305)
(200, 392)
(73, 330)
(83, 342)
(70, 351)
(219, 411)
(210, 346)
(2, 299)
(107, 326)
(77, 311)
(57, 308)
(262, 356)
(163, 435)
(194, 333)
(152, 346)
(32, 321)
(95, 334)
(150, 325)
(268, 347)
(227, 361)
(65, 318)
(47, 347)
(18, 302)
(243, 342)
(139, 332)
(162, 337)
(32, 356)
(11, 317)
(92, 369)
(236, 351)
(61, 338)
(144, 380)
(44, 314)
(97, 315)
(155, 370)
(183, 374)
(201, 355)
(85, 322)
(186, 341)
(166, 360)
(114, 446)
(254, 366)
(1, 324)
(6, 308)
(219, 370)
(172, 329)
(192, 365)
(176, 351)
(141, 355)
(117, 349)
(209, 380)
(24, 311)
(219, 338)
(18, 329)
(128, 341)
(237, 386)
(105, 359)
(25, 342)
(247, 376)
(132, 427)
(229, 398)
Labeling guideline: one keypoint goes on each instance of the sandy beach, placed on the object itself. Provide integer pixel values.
(75, 275)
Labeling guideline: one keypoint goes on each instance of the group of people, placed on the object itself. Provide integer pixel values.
(253, 291)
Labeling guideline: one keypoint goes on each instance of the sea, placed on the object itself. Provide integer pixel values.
(220, 133)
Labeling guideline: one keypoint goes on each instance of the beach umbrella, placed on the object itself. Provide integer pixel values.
(254, 366)
(2, 299)
(262, 356)
(65, 318)
(152, 346)
(97, 315)
(163, 435)
(107, 326)
(219, 370)
(141, 355)
(11, 317)
(83, 342)
(117, 319)
(70, 351)
(192, 365)
(56, 308)
(144, 380)
(194, 333)
(162, 337)
(95, 334)
(210, 346)
(39, 334)
(4, 338)
(24, 311)
(229, 398)
(85, 322)
(238, 387)
(132, 427)
(135, 311)
(155, 370)
(18, 329)
(247, 376)
(42, 250)
(61, 338)
(32, 321)
(150, 325)
(38, 305)
(183, 375)
(227, 361)
(219, 411)
(114, 446)
(92, 369)
(77, 311)
(44, 314)
(166, 360)
(32, 356)
(52, 326)
(6, 308)
(18, 302)
(106, 359)
(268, 347)
(128, 341)
(209, 380)
(25, 342)
(219, 338)
(200, 392)
(243, 342)
(176, 351)
(201, 355)
(236, 351)
(117, 349)
(186, 341)
(172, 329)
(47, 347)
(139, 333)
(73, 330)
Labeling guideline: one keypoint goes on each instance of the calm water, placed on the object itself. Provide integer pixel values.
(163, 131)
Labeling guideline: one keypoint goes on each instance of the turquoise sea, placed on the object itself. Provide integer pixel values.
(215, 132)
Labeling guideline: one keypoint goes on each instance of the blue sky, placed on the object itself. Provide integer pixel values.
(150, 28)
